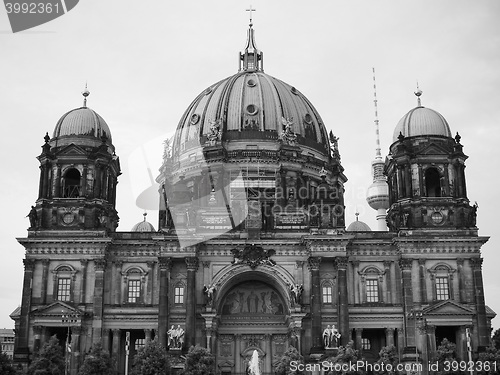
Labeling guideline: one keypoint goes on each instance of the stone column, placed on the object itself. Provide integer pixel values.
(406, 267)
(343, 303)
(422, 278)
(45, 277)
(421, 180)
(83, 286)
(192, 267)
(431, 339)
(314, 263)
(97, 181)
(22, 336)
(45, 188)
(482, 327)
(388, 281)
(83, 191)
(149, 288)
(446, 180)
(117, 282)
(401, 188)
(408, 180)
(147, 335)
(37, 333)
(389, 336)
(105, 339)
(267, 349)
(359, 336)
(116, 344)
(357, 282)
(98, 305)
(40, 183)
(461, 280)
(75, 349)
(237, 354)
(165, 265)
(57, 182)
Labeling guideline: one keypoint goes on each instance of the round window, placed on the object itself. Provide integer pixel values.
(208, 91)
(308, 118)
(251, 83)
(195, 118)
(252, 109)
(294, 90)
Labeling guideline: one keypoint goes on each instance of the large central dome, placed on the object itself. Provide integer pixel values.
(251, 105)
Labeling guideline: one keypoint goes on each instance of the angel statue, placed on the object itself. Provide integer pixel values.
(209, 292)
(334, 142)
(215, 133)
(287, 134)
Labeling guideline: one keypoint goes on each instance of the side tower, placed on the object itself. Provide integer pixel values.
(437, 241)
(78, 175)
(425, 172)
(69, 236)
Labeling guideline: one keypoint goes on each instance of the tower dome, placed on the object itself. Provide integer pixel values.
(358, 226)
(421, 121)
(81, 126)
(143, 226)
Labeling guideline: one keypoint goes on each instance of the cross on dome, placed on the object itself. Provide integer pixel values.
(250, 10)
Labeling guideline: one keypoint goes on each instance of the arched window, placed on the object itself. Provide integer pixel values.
(179, 293)
(327, 293)
(432, 182)
(134, 280)
(442, 276)
(371, 280)
(64, 277)
(71, 183)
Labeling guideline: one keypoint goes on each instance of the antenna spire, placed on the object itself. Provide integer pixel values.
(85, 93)
(378, 153)
(418, 94)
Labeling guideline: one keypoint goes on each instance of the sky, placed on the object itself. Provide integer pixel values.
(145, 61)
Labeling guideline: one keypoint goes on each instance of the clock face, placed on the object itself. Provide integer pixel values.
(437, 217)
(68, 218)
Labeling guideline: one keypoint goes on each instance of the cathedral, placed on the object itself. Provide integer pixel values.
(251, 252)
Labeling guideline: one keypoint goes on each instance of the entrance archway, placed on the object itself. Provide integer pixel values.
(253, 314)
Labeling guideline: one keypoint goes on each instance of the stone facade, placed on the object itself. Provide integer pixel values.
(242, 259)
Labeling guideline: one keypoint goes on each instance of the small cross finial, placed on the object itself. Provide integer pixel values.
(250, 10)
(357, 214)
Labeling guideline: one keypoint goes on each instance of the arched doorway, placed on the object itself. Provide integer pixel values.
(253, 314)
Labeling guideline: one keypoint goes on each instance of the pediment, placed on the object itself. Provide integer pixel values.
(433, 149)
(72, 150)
(58, 309)
(447, 308)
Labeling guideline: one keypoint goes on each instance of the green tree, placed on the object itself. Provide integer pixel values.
(97, 362)
(496, 339)
(6, 365)
(151, 359)
(49, 360)
(446, 353)
(490, 361)
(283, 366)
(345, 355)
(388, 360)
(199, 361)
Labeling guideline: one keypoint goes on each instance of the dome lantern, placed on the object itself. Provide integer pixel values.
(251, 59)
